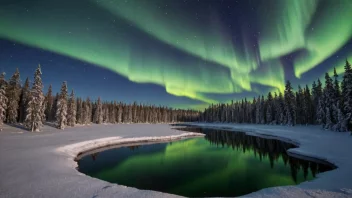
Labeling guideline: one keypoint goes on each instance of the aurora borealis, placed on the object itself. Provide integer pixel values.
(198, 52)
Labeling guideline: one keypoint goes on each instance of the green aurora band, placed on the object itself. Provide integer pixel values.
(327, 34)
(215, 63)
(287, 20)
(205, 42)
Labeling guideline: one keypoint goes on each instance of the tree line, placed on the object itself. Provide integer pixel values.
(29, 105)
(329, 106)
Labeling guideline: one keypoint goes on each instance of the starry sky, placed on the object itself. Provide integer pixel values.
(180, 53)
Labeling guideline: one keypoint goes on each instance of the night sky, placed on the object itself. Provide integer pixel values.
(180, 53)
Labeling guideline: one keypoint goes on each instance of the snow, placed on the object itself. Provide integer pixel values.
(73, 150)
(42, 164)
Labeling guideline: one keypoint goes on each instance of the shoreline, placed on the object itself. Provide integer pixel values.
(290, 151)
(35, 157)
(78, 150)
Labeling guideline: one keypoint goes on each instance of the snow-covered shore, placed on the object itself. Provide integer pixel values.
(313, 142)
(40, 164)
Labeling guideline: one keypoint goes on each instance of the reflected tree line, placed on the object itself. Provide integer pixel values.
(263, 149)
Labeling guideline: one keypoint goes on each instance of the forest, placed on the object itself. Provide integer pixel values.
(29, 106)
(328, 105)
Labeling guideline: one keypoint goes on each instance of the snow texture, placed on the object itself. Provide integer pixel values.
(42, 164)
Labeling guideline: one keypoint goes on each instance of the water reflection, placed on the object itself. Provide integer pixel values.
(263, 148)
(223, 163)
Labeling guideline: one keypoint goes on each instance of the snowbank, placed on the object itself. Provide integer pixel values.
(73, 150)
(40, 164)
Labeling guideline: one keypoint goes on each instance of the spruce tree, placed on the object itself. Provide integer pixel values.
(130, 113)
(13, 93)
(308, 109)
(329, 96)
(262, 110)
(3, 80)
(24, 101)
(54, 108)
(290, 108)
(98, 115)
(269, 109)
(106, 113)
(79, 111)
(35, 108)
(71, 112)
(336, 85)
(119, 113)
(61, 113)
(49, 100)
(315, 100)
(258, 110)
(113, 112)
(300, 118)
(347, 94)
(83, 113)
(317, 92)
(274, 107)
(87, 109)
(280, 109)
(3, 104)
(321, 112)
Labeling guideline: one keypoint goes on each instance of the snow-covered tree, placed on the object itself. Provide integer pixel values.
(35, 107)
(3, 80)
(24, 100)
(337, 85)
(280, 109)
(106, 113)
(342, 121)
(3, 104)
(320, 112)
(87, 110)
(98, 115)
(329, 96)
(290, 108)
(13, 93)
(49, 101)
(317, 93)
(61, 112)
(258, 110)
(79, 111)
(84, 112)
(300, 118)
(308, 110)
(119, 113)
(269, 109)
(262, 110)
(129, 116)
(328, 122)
(113, 112)
(71, 111)
(54, 108)
(347, 94)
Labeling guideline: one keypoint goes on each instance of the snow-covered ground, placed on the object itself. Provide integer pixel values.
(41, 164)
